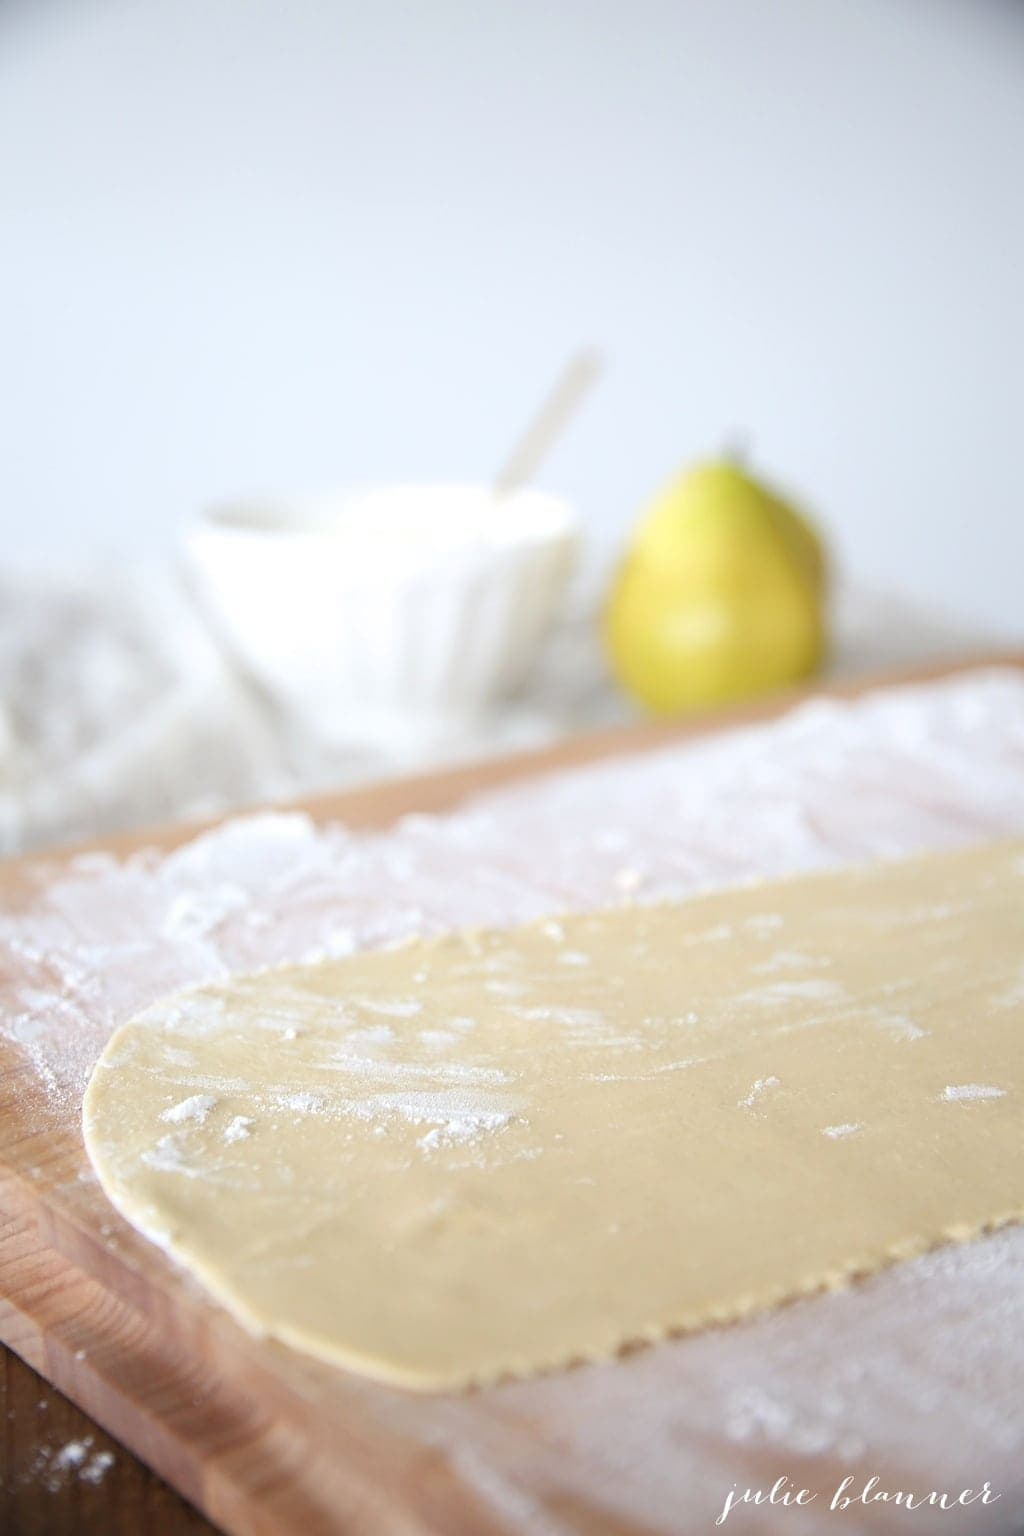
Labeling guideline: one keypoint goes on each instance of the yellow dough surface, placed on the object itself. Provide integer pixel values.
(501, 1151)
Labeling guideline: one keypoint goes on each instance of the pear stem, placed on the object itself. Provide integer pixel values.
(737, 449)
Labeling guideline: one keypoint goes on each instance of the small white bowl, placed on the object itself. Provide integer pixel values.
(386, 602)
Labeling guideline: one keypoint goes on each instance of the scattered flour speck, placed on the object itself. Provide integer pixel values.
(71, 1455)
(167, 1157)
(463, 1129)
(438, 1039)
(97, 1467)
(192, 1110)
(758, 1089)
(55, 1468)
(391, 1007)
(302, 1102)
(957, 1092)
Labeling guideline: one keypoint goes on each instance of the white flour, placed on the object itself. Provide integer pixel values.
(238, 1128)
(956, 1092)
(461, 1128)
(56, 1467)
(865, 1373)
(758, 1089)
(193, 1109)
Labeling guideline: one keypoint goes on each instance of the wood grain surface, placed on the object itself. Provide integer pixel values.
(41, 1495)
(261, 1439)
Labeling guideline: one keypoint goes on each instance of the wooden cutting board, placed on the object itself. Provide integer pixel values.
(259, 1437)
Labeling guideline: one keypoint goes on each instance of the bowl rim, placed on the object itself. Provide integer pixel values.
(321, 516)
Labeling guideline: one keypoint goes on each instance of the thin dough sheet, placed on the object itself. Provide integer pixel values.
(501, 1151)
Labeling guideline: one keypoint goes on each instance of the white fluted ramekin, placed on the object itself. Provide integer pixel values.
(390, 602)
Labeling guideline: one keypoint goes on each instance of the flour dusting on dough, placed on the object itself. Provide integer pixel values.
(443, 1111)
(776, 994)
(302, 1102)
(900, 1026)
(959, 1092)
(194, 1109)
(462, 1129)
(167, 1156)
(759, 1088)
(393, 1007)
(788, 960)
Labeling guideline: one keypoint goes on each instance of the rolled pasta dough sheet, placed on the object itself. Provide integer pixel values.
(502, 1151)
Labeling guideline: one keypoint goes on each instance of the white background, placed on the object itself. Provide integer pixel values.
(286, 244)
